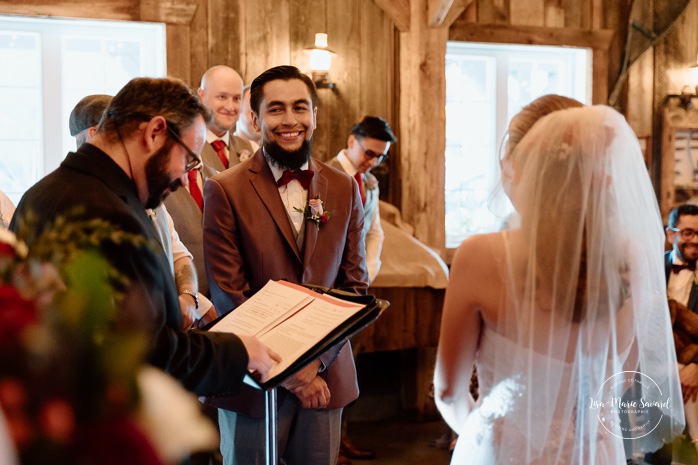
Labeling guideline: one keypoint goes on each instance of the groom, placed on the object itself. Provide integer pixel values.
(256, 229)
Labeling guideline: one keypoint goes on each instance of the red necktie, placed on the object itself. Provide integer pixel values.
(194, 189)
(303, 176)
(219, 145)
(360, 182)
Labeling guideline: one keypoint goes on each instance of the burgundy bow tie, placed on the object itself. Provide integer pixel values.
(690, 266)
(303, 176)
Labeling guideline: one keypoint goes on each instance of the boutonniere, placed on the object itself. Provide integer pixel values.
(315, 212)
(244, 154)
(371, 182)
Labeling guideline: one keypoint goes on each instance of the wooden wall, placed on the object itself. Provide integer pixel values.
(254, 35)
(390, 62)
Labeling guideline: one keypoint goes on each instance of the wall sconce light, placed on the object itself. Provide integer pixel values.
(320, 62)
(689, 91)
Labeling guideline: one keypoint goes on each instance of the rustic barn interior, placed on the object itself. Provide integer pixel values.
(390, 61)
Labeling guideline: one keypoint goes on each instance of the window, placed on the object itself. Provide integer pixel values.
(486, 85)
(48, 66)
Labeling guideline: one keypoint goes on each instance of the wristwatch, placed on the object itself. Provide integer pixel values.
(193, 294)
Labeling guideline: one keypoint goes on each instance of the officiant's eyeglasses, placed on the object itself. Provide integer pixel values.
(686, 234)
(371, 154)
(193, 160)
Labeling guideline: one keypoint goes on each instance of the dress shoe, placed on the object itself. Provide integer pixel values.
(343, 460)
(348, 449)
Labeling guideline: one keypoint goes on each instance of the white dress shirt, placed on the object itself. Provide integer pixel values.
(680, 284)
(375, 235)
(292, 195)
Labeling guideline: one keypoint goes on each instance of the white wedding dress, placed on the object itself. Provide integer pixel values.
(499, 428)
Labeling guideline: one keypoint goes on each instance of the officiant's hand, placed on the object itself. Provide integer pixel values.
(314, 395)
(261, 357)
(689, 381)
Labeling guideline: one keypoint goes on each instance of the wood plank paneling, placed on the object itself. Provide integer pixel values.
(267, 36)
(493, 11)
(340, 108)
(224, 34)
(168, 12)
(576, 13)
(198, 43)
(554, 13)
(640, 89)
(528, 13)
(178, 52)
(398, 11)
(671, 57)
(412, 320)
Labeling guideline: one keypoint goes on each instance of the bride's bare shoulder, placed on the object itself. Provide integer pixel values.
(480, 248)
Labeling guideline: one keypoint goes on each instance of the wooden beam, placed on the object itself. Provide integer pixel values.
(422, 122)
(167, 12)
(531, 35)
(99, 9)
(398, 11)
(445, 12)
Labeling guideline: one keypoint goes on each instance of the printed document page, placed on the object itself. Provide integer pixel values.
(295, 335)
(272, 304)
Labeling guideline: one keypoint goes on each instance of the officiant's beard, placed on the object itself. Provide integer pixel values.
(288, 160)
(160, 183)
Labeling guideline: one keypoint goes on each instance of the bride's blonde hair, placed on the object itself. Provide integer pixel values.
(529, 115)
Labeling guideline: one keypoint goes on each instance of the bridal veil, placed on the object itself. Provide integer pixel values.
(584, 362)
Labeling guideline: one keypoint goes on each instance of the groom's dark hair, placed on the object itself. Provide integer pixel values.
(688, 209)
(284, 73)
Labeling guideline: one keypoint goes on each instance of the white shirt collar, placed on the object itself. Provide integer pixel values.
(346, 164)
(210, 137)
(675, 260)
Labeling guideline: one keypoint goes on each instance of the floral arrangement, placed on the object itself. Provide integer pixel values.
(315, 212)
(71, 388)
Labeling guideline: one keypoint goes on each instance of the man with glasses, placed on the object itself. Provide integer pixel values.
(367, 147)
(147, 139)
(680, 268)
(83, 123)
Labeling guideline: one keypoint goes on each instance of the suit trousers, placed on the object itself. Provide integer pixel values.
(305, 436)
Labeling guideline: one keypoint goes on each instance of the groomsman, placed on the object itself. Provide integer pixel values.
(285, 215)
(680, 268)
(221, 92)
(367, 147)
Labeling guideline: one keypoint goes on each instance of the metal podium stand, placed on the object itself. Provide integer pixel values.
(272, 451)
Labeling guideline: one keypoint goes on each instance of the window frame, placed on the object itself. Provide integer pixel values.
(52, 34)
(598, 40)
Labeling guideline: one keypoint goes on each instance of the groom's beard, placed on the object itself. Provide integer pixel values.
(284, 159)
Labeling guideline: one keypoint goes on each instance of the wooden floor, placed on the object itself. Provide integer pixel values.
(400, 442)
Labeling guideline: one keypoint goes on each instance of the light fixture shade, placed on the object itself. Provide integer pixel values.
(320, 60)
(694, 73)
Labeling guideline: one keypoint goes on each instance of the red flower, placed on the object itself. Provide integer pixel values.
(15, 313)
(7, 250)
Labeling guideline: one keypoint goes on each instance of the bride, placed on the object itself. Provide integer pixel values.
(565, 316)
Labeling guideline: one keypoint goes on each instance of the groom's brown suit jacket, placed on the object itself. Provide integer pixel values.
(249, 239)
